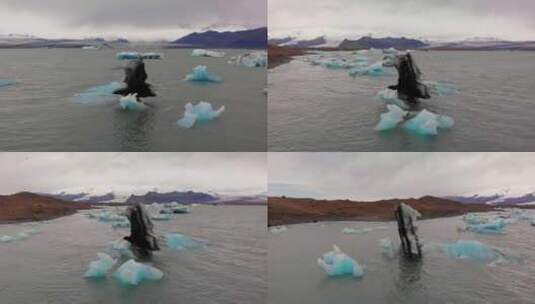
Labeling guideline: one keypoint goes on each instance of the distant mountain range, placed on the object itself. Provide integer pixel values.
(381, 43)
(255, 38)
(188, 197)
(501, 198)
(18, 41)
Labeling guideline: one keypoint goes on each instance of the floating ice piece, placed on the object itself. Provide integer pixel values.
(99, 94)
(89, 47)
(152, 55)
(387, 247)
(441, 89)
(428, 123)
(130, 103)
(6, 239)
(200, 74)
(128, 56)
(465, 249)
(122, 247)
(391, 119)
(250, 60)
(107, 216)
(474, 219)
(348, 230)
(390, 51)
(160, 217)
(388, 96)
(494, 227)
(132, 273)
(278, 230)
(337, 64)
(207, 53)
(100, 267)
(201, 112)
(179, 241)
(375, 70)
(175, 210)
(337, 263)
(6, 82)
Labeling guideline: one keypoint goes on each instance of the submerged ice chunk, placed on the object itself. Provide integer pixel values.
(100, 267)
(375, 70)
(207, 53)
(200, 74)
(474, 250)
(337, 263)
(130, 103)
(201, 112)
(391, 119)
(428, 123)
(6, 82)
(179, 241)
(251, 60)
(99, 94)
(132, 273)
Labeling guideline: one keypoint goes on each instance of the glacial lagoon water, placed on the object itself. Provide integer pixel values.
(295, 277)
(48, 267)
(38, 112)
(314, 108)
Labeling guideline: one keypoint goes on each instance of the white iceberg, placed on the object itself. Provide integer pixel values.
(250, 60)
(100, 267)
(130, 103)
(99, 94)
(133, 273)
(6, 239)
(200, 74)
(337, 263)
(428, 123)
(207, 53)
(201, 112)
(391, 119)
(278, 230)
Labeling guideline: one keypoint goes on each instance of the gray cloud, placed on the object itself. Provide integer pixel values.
(136, 18)
(370, 176)
(435, 19)
(227, 173)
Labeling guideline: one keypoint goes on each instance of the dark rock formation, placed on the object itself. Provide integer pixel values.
(135, 77)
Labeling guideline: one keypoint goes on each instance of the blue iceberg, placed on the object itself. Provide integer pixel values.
(179, 241)
(493, 227)
(122, 247)
(100, 267)
(391, 119)
(200, 74)
(107, 216)
(428, 123)
(201, 112)
(6, 82)
(128, 56)
(130, 103)
(133, 273)
(99, 94)
(337, 263)
(474, 250)
(207, 53)
(375, 70)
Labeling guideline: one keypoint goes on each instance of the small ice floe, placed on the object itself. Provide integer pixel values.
(428, 123)
(136, 55)
(179, 241)
(200, 74)
(278, 229)
(250, 60)
(133, 273)
(390, 51)
(100, 267)
(90, 47)
(19, 236)
(441, 89)
(207, 53)
(356, 230)
(375, 70)
(99, 94)
(388, 96)
(337, 263)
(106, 216)
(201, 112)
(130, 103)
(7, 82)
(496, 226)
(122, 247)
(174, 208)
(6, 239)
(387, 248)
(391, 119)
(473, 250)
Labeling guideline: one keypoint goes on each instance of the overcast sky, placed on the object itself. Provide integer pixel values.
(126, 173)
(133, 19)
(373, 176)
(432, 19)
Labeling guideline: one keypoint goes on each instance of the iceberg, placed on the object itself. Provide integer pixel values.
(201, 112)
(200, 74)
(348, 230)
(6, 239)
(133, 273)
(122, 247)
(388, 96)
(474, 250)
(428, 123)
(130, 103)
(6, 82)
(127, 55)
(441, 89)
(278, 230)
(160, 217)
(391, 119)
(99, 94)
(100, 267)
(179, 241)
(207, 53)
(387, 247)
(107, 216)
(375, 70)
(473, 219)
(337, 263)
(495, 227)
(250, 60)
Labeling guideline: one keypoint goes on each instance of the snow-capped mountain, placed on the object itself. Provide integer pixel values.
(507, 196)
